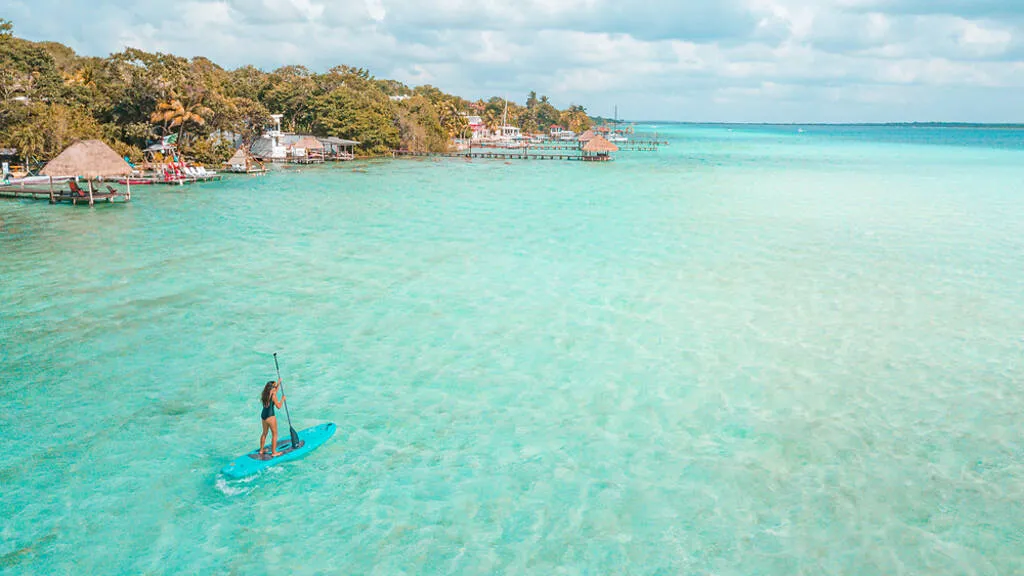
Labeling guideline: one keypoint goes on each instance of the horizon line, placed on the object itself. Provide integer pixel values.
(896, 123)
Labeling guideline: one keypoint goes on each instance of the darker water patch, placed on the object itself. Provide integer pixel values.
(12, 559)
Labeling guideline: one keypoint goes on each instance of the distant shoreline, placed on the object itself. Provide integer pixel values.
(839, 124)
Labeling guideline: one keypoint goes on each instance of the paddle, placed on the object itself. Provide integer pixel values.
(295, 435)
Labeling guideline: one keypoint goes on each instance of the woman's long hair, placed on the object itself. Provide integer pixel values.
(267, 391)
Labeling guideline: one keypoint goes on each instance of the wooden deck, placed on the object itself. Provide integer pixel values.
(547, 146)
(24, 192)
(508, 154)
(61, 194)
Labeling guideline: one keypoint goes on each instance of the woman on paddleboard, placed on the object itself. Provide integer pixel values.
(269, 400)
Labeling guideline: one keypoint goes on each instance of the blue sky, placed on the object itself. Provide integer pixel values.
(713, 60)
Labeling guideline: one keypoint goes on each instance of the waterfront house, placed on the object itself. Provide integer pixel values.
(339, 148)
(273, 144)
(478, 128)
(559, 133)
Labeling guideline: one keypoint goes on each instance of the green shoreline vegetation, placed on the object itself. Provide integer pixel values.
(50, 97)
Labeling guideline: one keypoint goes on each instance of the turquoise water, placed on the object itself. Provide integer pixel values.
(756, 351)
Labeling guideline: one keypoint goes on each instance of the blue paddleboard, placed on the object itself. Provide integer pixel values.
(309, 439)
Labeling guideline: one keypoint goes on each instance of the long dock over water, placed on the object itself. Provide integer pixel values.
(57, 196)
(58, 191)
(504, 154)
(566, 150)
(630, 146)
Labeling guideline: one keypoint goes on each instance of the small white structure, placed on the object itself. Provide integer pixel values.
(478, 128)
(559, 133)
(507, 132)
(273, 144)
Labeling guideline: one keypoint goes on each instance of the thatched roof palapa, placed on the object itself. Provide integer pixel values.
(88, 159)
(587, 136)
(599, 145)
(239, 158)
(309, 143)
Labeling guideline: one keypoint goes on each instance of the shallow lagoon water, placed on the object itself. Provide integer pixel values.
(756, 351)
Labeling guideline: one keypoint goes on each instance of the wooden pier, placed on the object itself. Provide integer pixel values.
(631, 146)
(24, 192)
(505, 154)
(547, 146)
(58, 193)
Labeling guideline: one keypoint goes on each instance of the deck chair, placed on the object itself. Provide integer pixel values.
(76, 190)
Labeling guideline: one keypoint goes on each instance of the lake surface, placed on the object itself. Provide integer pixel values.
(756, 351)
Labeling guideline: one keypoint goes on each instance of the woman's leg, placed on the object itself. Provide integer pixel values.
(273, 429)
(263, 437)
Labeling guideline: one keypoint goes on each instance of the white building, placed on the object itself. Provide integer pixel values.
(273, 144)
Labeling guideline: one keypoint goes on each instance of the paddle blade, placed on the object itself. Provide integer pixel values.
(295, 437)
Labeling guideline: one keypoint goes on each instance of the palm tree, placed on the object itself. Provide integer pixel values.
(492, 119)
(175, 114)
(30, 143)
(85, 76)
(577, 119)
(448, 114)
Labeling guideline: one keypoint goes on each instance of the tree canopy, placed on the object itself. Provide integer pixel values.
(50, 97)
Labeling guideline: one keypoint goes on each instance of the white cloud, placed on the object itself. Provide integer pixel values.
(772, 60)
(983, 40)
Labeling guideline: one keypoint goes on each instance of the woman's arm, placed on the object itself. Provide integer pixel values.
(276, 401)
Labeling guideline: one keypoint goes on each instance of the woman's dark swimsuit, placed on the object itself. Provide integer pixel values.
(268, 411)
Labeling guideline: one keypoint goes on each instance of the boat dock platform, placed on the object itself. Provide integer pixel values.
(57, 196)
(506, 154)
(630, 146)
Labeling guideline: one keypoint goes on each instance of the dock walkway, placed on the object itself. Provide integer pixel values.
(57, 195)
(505, 154)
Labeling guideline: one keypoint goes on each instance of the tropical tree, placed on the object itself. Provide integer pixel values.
(247, 118)
(49, 96)
(30, 143)
(292, 92)
(576, 119)
(453, 122)
(492, 118)
(367, 117)
(175, 114)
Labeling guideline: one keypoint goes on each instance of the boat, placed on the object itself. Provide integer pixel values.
(509, 136)
(616, 136)
(29, 180)
(253, 463)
